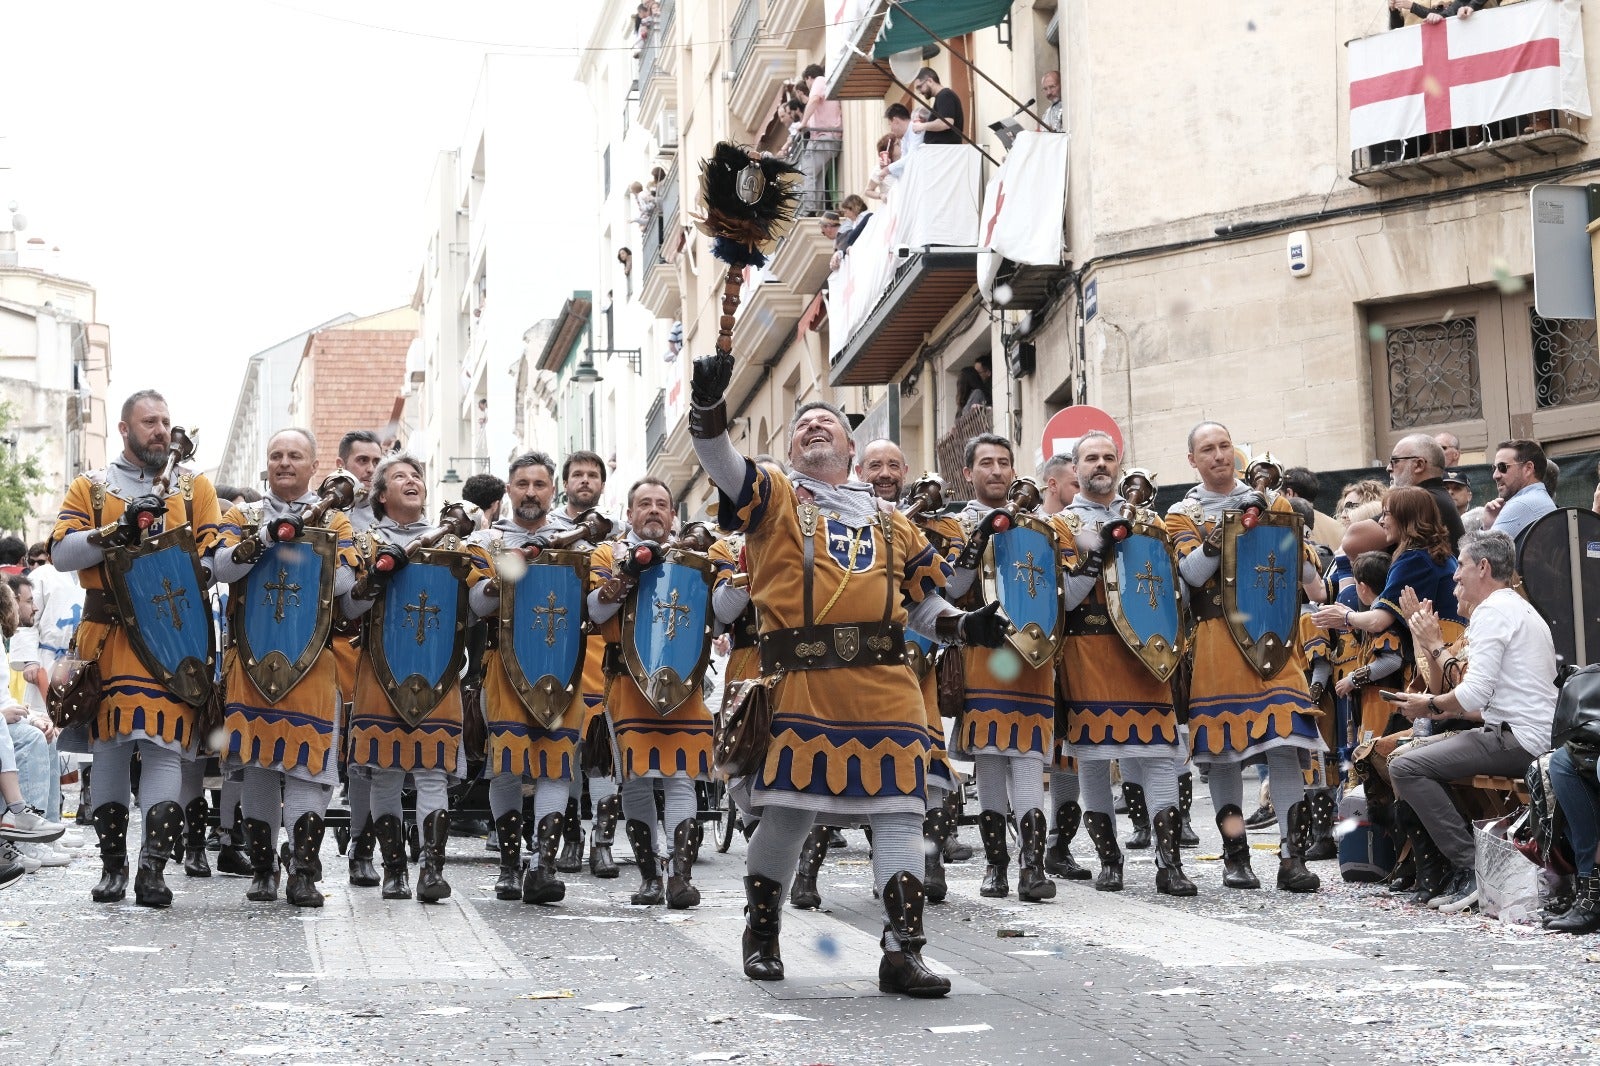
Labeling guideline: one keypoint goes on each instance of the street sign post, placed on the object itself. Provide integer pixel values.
(1563, 263)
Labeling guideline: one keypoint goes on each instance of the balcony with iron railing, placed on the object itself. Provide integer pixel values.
(655, 427)
(759, 67)
(657, 87)
(661, 241)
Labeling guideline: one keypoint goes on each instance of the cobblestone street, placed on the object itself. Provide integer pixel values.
(1346, 976)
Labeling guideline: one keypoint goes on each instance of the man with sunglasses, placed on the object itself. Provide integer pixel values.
(1519, 467)
(1417, 460)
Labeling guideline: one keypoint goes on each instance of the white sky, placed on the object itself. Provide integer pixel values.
(230, 174)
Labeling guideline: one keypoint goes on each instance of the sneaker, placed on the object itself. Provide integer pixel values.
(10, 874)
(9, 853)
(29, 824)
(1463, 900)
(1460, 883)
(1262, 817)
(72, 840)
(46, 854)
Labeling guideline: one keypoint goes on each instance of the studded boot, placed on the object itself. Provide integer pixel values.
(540, 883)
(1138, 814)
(111, 825)
(1102, 830)
(1292, 873)
(954, 850)
(1058, 860)
(1187, 837)
(431, 885)
(651, 892)
(392, 844)
(301, 887)
(803, 894)
(1563, 894)
(601, 862)
(1236, 871)
(992, 828)
(1032, 884)
(571, 859)
(903, 970)
(1584, 914)
(1166, 824)
(263, 863)
(233, 858)
(362, 873)
(163, 839)
(195, 862)
(508, 832)
(1324, 815)
(934, 829)
(1432, 869)
(763, 918)
(686, 838)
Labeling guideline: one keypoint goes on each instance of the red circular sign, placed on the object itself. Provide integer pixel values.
(1067, 426)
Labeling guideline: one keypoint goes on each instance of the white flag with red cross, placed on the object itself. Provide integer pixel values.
(1497, 64)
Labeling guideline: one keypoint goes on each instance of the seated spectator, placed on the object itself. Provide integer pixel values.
(1050, 85)
(1354, 495)
(948, 118)
(1459, 488)
(1378, 655)
(1508, 687)
(1519, 469)
(972, 386)
(20, 821)
(1552, 477)
(1577, 792)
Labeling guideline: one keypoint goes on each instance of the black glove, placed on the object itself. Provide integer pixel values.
(996, 521)
(639, 558)
(387, 561)
(285, 527)
(1212, 544)
(983, 628)
(708, 411)
(1315, 691)
(142, 515)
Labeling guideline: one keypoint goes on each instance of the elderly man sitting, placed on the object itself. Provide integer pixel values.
(1508, 688)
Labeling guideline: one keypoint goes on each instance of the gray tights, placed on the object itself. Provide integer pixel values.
(1007, 776)
(1155, 776)
(160, 774)
(678, 799)
(1283, 781)
(275, 798)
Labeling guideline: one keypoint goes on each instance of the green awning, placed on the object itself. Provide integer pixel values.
(946, 18)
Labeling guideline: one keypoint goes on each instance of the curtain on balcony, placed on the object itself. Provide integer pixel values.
(946, 18)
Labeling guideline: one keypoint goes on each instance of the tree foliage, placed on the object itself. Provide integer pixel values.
(20, 477)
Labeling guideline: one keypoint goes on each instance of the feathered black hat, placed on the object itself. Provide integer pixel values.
(749, 203)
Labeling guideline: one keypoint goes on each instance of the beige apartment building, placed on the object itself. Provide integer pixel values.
(1198, 147)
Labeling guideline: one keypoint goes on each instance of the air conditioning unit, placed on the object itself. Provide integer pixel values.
(666, 129)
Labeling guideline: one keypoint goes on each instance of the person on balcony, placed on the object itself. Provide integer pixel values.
(1050, 85)
(821, 126)
(900, 119)
(948, 118)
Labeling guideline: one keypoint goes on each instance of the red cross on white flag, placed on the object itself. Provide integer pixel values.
(1499, 64)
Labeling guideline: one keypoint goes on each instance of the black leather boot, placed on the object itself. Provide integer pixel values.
(1102, 830)
(1292, 873)
(1236, 870)
(1032, 884)
(195, 861)
(903, 970)
(1058, 860)
(763, 918)
(601, 862)
(301, 887)
(508, 832)
(233, 858)
(992, 828)
(1138, 814)
(362, 873)
(1165, 825)
(539, 881)
(651, 892)
(263, 862)
(111, 825)
(392, 843)
(954, 850)
(431, 885)
(163, 839)
(1324, 816)
(934, 885)
(570, 860)
(1187, 837)
(1563, 894)
(686, 838)
(803, 894)
(1584, 914)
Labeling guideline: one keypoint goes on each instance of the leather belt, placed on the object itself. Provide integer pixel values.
(1207, 603)
(745, 632)
(346, 627)
(833, 647)
(98, 606)
(1088, 620)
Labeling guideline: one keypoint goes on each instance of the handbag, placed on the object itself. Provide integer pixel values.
(597, 760)
(74, 695)
(1577, 716)
(951, 682)
(744, 732)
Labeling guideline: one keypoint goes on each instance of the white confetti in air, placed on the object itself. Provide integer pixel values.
(1005, 664)
(1346, 827)
(1002, 295)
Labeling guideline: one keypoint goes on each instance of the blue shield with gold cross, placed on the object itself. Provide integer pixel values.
(417, 631)
(666, 629)
(542, 628)
(1260, 573)
(1141, 585)
(162, 599)
(1020, 570)
(283, 610)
